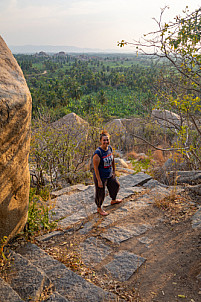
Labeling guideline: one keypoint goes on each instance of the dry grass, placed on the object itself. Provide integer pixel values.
(69, 254)
(158, 156)
(116, 153)
(176, 206)
(132, 155)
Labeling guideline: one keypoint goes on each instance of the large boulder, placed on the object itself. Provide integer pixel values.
(166, 118)
(184, 177)
(117, 132)
(73, 125)
(134, 125)
(15, 117)
(178, 164)
(71, 120)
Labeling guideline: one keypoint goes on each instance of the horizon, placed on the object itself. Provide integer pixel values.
(53, 49)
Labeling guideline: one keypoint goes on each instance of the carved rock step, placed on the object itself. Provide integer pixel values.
(79, 205)
(66, 283)
(7, 293)
(196, 219)
(69, 190)
(28, 281)
(134, 180)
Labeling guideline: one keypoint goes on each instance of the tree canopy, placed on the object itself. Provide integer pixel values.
(178, 45)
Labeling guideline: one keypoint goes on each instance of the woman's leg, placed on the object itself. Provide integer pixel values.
(113, 187)
(99, 196)
(99, 193)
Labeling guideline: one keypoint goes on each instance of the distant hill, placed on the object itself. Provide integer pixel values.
(31, 49)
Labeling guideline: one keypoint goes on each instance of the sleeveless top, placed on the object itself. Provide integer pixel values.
(106, 158)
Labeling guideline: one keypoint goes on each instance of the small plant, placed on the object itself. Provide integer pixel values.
(142, 165)
(38, 216)
(2, 245)
(4, 256)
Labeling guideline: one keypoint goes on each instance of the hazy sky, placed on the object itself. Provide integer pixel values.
(83, 23)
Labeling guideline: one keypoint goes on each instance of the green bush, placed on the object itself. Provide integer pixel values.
(38, 215)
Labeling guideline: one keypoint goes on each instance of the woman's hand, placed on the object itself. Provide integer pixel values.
(100, 184)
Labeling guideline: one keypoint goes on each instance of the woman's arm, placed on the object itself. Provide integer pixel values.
(96, 162)
(113, 167)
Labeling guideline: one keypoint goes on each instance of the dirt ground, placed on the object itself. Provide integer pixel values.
(173, 257)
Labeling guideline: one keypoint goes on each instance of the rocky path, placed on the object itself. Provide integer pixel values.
(136, 253)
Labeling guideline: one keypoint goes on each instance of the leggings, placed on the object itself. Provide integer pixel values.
(113, 188)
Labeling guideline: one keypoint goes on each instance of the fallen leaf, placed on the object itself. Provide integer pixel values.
(88, 280)
(181, 296)
(63, 243)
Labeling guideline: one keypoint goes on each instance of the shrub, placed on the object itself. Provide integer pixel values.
(38, 215)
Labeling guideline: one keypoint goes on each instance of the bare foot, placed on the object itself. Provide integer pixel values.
(102, 212)
(116, 201)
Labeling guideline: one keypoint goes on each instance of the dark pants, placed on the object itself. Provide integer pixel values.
(113, 188)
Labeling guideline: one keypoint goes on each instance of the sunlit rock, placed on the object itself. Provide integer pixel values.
(15, 117)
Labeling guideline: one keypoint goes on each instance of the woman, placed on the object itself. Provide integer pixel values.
(104, 173)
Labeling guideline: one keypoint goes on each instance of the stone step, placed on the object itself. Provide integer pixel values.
(137, 179)
(67, 283)
(7, 294)
(71, 209)
(196, 219)
(123, 265)
(74, 220)
(69, 190)
(27, 280)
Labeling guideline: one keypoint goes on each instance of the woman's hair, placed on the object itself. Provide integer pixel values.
(104, 133)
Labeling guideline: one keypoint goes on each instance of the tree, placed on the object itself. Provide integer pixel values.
(58, 151)
(101, 97)
(178, 45)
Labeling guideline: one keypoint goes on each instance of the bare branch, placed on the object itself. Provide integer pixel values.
(155, 147)
(195, 124)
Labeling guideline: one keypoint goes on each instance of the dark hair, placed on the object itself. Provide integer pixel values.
(104, 133)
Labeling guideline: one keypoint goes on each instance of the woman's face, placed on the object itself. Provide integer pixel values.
(105, 141)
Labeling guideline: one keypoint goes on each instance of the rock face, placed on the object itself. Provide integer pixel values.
(117, 132)
(15, 117)
(75, 126)
(70, 120)
(184, 177)
(166, 118)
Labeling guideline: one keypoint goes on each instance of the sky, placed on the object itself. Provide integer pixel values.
(83, 23)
